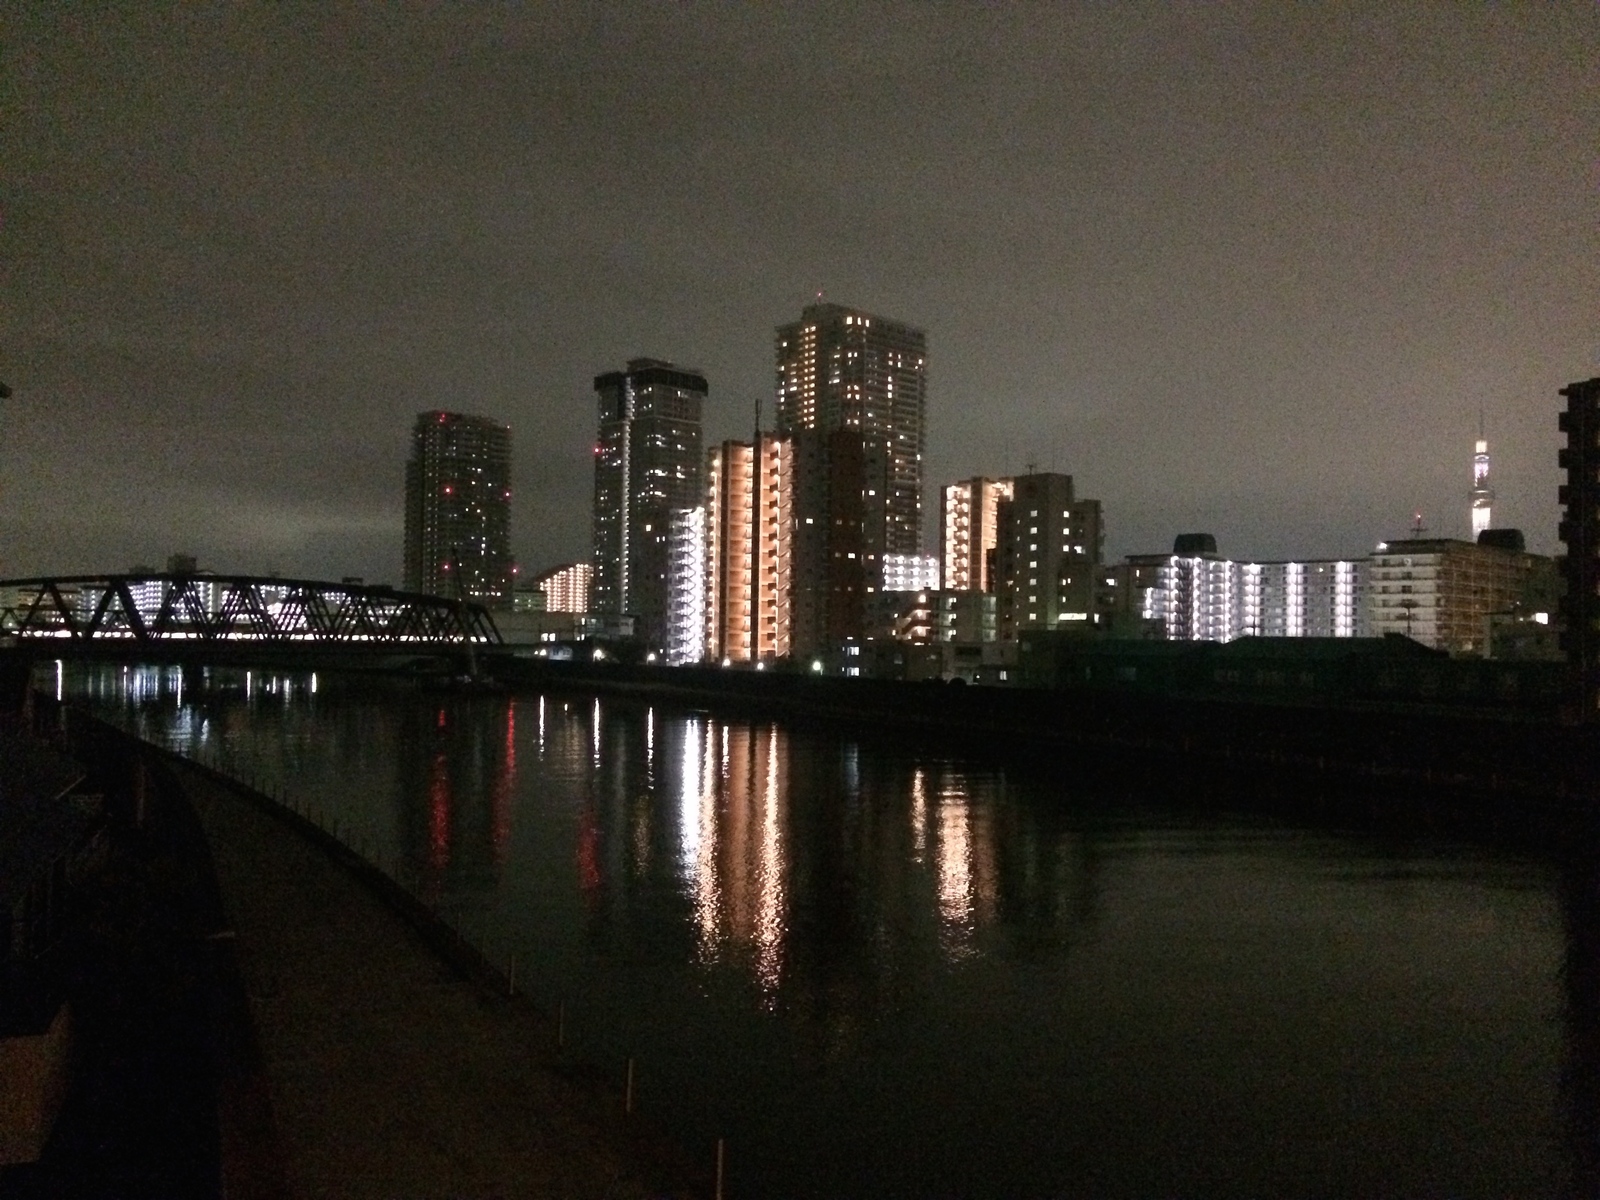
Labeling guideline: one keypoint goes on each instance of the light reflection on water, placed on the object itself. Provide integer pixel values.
(879, 970)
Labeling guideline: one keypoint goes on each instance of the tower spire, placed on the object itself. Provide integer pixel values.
(1482, 494)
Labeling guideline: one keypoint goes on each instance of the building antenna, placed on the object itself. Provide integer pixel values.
(758, 417)
(1417, 527)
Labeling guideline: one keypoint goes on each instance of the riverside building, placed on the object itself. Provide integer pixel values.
(841, 369)
(458, 508)
(647, 464)
(1445, 593)
(746, 565)
(565, 588)
(969, 532)
(1048, 550)
(1195, 594)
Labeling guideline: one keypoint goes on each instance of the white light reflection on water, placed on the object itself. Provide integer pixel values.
(595, 732)
(919, 815)
(689, 802)
(771, 922)
(707, 895)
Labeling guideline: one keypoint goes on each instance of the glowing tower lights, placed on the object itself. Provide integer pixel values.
(1482, 493)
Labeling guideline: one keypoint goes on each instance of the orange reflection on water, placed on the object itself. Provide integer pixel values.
(967, 869)
(733, 828)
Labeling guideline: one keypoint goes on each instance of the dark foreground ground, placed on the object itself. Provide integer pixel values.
(255, 1021)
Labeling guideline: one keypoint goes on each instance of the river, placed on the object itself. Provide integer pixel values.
(880, 967)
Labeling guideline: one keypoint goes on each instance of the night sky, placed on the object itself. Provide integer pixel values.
(1249, 269)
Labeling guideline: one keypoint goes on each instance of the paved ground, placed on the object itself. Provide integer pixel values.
(388, 1073)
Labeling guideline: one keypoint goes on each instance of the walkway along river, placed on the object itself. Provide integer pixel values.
(876, 967)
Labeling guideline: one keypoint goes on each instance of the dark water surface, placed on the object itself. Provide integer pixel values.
(879, 969)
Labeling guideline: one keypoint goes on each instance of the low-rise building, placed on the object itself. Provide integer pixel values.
(1195, 594)
(1447, 593)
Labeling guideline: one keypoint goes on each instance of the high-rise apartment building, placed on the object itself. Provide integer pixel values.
(686, 587)
(1580, 530)
(842, 369)
(838, 557)
(458, 508)
(969, 532)
(647, 463)
(1048, 551)
(749, 545)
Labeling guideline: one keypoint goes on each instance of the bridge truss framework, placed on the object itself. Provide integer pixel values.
(170, 609)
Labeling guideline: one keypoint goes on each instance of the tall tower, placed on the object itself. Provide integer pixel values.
(1482, 493)
(458, 508)
(843, 369)
(647, 464)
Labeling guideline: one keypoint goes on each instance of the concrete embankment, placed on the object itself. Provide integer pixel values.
(265, 1015)
(392, 1069)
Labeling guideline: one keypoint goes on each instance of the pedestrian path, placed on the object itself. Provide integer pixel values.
(388, 1073)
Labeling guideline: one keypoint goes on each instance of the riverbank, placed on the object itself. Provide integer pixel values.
(392, 1070)
(262, 1014)
(1478, 767)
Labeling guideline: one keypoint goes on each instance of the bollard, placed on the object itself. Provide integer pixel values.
(627, 1091)
(720, 1157)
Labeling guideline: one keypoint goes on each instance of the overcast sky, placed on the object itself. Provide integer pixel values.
(1248, 269)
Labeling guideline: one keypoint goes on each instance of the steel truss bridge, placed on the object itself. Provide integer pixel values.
(166, 612)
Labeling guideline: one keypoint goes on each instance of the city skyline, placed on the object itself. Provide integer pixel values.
(226, 301)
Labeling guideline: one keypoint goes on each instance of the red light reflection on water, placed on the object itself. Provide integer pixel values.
(589, 852)
(505, 784)
(439, 807)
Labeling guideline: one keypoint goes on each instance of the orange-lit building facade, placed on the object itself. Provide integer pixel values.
(749, 550)
(566, 588)
(969, 533)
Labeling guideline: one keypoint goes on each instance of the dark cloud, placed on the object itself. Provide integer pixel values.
(1247, 268)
